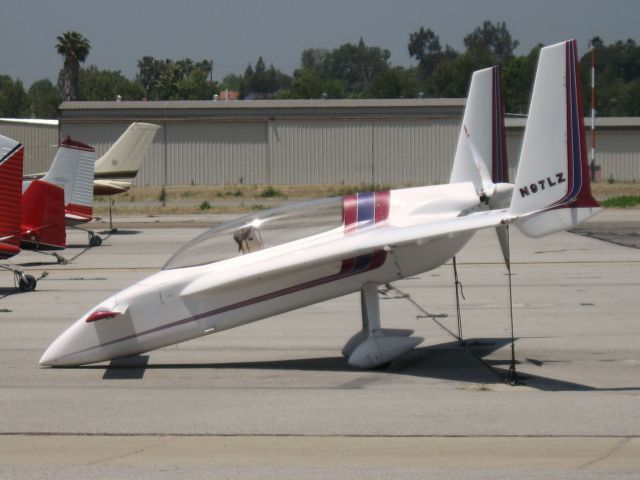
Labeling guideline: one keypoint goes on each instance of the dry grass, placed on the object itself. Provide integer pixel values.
(604, 190)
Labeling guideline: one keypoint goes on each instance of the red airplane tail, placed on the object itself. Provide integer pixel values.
(11, 158)
(43, 226)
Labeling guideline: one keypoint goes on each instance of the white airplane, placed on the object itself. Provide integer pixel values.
(123, 160)
(291, 257)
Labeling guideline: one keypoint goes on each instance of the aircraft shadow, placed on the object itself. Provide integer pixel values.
(53, 261)
(445, 361)
(119, 231)
(6, 291)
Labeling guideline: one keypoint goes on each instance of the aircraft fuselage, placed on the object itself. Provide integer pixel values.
(159, 310)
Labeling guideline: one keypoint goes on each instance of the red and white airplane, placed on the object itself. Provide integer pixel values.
(287, 258)
(31, 220)
(72, 170)
(77, 171)
(119, 164)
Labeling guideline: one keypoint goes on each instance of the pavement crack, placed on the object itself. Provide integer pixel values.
(119, 457)
(615, 448)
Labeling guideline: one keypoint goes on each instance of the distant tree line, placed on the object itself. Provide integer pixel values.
(348, 71)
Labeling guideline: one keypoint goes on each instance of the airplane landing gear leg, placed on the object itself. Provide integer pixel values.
(374, 346)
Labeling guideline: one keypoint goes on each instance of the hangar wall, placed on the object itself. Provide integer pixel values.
(400, 142)
(618, 151)
(40, 140)
(281, 142)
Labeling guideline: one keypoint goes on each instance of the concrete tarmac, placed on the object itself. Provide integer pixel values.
(275, 399)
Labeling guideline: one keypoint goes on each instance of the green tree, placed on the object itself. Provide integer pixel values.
(491, 43)
(231, 82)
(617, 76)
(395, 83)
(517, 80)
(99, 85)
(263, 82)
(357, 65)
(13, 98)
(424, 45)
(44, 98)
(149, 70)
(451, 78)
(316, 59)
(629, 103)
(181, 79)
(308, 84)
(75, 49)
(196, 86)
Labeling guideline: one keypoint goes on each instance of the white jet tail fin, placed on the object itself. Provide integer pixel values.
(124, 158)
(552, 189)
(72, 170)
(481, 155)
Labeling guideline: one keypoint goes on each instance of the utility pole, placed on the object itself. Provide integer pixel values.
(593, 112)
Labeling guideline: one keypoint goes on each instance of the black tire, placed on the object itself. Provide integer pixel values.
(95, 241)
(27, 283)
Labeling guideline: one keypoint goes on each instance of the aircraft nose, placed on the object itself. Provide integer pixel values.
(62, 349)
(76, 345)
(50, 356)
(92, 338)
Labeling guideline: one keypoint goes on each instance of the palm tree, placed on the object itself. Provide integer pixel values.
(75, 49)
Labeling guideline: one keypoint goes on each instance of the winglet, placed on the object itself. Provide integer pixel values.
(481, 147)
(552, 188)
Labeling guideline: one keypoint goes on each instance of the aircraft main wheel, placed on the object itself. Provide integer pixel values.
(62, 261)
(27, 283)
(95, 241)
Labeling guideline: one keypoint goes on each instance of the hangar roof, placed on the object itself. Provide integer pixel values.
(262, 109)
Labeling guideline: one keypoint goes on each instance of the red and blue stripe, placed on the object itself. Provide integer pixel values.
(500, 165)
(364, 210)
(578, 188)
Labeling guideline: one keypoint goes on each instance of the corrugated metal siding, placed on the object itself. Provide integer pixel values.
(414, 152)
(514, 145)
(362, 151)
(40, 143)
(392, 150)
(216, 153)
(619, 154)
(319, 151)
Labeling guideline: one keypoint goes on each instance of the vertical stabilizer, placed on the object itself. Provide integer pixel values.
(553, 173)
(72, 170)
(124, 158)
(481, 155)
(11, 158)
(43, 224)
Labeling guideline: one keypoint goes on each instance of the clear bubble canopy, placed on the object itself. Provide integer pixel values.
(260, 230)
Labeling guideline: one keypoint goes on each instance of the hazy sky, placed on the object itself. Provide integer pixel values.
(236, 33)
